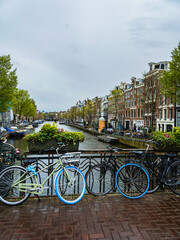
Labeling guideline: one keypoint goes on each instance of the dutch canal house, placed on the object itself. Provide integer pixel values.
(142, 106)
(159, 109)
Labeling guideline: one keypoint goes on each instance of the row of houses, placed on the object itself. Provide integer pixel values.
(141, 105)
(144, 106)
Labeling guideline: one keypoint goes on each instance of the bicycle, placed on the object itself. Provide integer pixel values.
(162, 171)
(8, 154)
(131, 179)
(18, 183)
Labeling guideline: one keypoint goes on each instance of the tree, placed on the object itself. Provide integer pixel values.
(30, 109)
(113, 104)
(22, 104)
(170, 80)
(88, 110)
(8, 82)
(96, 109)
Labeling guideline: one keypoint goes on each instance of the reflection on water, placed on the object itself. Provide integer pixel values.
(91, 141)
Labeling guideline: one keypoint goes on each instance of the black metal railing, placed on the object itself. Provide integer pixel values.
(87, 159)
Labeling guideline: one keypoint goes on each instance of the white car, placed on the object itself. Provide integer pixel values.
(2, 129)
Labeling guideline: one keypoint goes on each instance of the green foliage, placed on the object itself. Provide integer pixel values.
(8, 82)
(22, 104)
(113, 103)
(169, 141)
(49, 132)
(170, 80)
(67, 137)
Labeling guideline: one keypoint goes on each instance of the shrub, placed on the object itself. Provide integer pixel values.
(168, 141)
(48, 132)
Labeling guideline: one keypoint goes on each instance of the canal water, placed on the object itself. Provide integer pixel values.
(91, 142)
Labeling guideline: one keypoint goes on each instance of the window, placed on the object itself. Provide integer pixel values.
(157, 66)
(131, 102)
(165, 114)
(138, 113)
(134, 113)
(141, 113)
(160, 114)
(178, 118)
(170, 114)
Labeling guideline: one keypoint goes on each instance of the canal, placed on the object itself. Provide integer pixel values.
(91, 141)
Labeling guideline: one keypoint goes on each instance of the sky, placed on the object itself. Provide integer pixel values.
(71, 50)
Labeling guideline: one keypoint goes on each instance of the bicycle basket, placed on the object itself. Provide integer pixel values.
(71, 158)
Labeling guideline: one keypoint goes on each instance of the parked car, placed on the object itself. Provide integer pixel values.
(109, 130)
(81, 124)
(2, 129)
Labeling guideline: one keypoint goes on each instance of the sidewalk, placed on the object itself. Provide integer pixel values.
(155, 216)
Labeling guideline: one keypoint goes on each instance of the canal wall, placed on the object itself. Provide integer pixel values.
(132, 142)
(135, 143)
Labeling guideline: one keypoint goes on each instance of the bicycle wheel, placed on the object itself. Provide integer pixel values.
(132, 180)
(99, 179)
(10, 192)
(173, 177)
(70, 185)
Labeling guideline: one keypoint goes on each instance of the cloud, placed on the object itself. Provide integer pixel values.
(68, 50)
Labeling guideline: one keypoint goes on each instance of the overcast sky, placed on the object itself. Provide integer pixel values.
(68, 50)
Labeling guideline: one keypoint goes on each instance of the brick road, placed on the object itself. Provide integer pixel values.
(155, 216)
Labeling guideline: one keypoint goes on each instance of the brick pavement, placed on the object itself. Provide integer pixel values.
(111, 217)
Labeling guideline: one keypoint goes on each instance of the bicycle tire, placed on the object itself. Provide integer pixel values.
(9, 194)
(173, 177)
(100, 179)
(71, 189)
(132, 181)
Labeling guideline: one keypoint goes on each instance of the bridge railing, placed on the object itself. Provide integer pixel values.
(87, 159)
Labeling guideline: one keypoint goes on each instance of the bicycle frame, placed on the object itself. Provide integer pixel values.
(36, 188)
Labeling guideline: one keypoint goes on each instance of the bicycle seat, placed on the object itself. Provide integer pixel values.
(137, 152)
(171, 155)
(29, 161)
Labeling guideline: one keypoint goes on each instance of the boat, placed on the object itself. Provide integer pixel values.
(16, 132)
(107, 139)
(29, 129)
(62, 123)
(35, 124)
